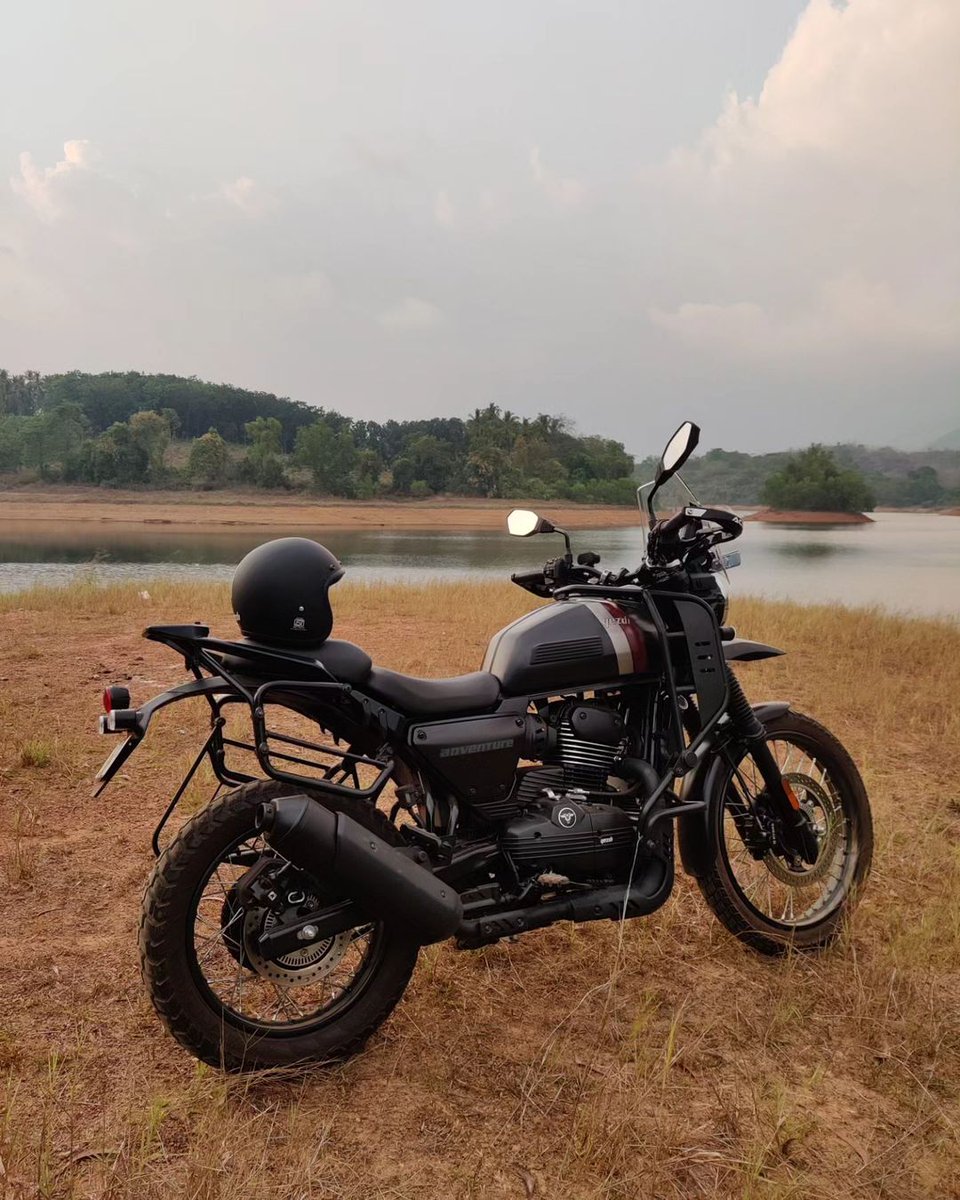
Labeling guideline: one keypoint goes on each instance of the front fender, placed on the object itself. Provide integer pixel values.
(743, 650)
(703, 783)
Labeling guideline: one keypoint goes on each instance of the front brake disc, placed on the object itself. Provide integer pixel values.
(821, 809)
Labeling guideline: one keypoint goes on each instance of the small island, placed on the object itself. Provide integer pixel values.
(814, 489)
(778, 516)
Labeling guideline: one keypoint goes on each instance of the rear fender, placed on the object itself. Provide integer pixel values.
(134, 722)
(704, 783)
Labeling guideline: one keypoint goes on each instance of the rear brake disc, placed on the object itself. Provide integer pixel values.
(298, 967)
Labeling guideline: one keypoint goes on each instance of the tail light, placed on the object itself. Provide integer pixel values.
(114, 698)
(118, 716)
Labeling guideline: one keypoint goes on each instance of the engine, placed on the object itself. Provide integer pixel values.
(572, 839)
(562, 830)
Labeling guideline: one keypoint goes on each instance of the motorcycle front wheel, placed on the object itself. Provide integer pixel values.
(212, 988)
(767, 899)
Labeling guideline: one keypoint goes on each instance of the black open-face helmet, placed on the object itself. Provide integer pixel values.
(281, 592)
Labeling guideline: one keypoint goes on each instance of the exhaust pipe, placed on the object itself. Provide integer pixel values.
(384, 881)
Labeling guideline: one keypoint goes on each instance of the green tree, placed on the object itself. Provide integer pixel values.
(49, 438)
(923, 486)
(209, 460)
(151, 432)
(433, 462)
(11, 443)
(329, 455)
(813, 481)
(116, 458)
(404, 472)
(262, 464)
(21, 395)
(487, 467)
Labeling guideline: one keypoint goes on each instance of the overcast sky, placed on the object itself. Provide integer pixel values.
(743, 211)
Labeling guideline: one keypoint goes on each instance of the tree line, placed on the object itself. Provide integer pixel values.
(117, 429)
(838, 478)
(123, 429)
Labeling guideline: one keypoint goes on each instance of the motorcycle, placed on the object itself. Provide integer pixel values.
(282, 923)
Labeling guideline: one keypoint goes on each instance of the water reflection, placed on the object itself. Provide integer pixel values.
(813, 549)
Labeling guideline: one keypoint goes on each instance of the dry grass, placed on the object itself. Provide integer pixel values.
(661, 1060)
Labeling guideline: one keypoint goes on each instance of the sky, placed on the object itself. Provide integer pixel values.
(744, 213)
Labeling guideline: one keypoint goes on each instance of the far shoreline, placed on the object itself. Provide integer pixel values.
(184, 511)
(772, 516)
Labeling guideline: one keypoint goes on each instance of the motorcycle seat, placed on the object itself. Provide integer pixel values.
(347, 663)
(434, 697)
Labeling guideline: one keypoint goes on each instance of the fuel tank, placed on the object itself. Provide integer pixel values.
(573, 644)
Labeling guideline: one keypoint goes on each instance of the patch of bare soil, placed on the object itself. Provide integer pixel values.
(773, 516)
(660, 1060)
(191, 510)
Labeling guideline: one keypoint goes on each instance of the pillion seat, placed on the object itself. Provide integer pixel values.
(349, 664)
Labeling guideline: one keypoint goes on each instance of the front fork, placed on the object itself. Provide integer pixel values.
(797, 831)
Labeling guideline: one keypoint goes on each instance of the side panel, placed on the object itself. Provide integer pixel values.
(477, 758)
(572, 644)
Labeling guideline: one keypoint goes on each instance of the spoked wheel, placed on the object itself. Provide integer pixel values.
(764, 894)
(218, 993)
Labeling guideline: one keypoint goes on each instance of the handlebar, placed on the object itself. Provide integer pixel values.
(672, 543)
(683, 535)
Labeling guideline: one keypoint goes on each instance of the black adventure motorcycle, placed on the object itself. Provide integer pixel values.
(283, 922)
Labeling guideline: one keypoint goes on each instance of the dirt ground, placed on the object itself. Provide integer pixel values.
(772, 516)
(565, 1065)
(190, 510)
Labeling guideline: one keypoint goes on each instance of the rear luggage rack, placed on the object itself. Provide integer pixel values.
(326, 768)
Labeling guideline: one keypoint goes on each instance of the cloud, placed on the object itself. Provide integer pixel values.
(443, 210)
(248, 197)
(821, 216)
(411, 315)
(856, 81)
(46, 189)
(563, 191)
(849, 315)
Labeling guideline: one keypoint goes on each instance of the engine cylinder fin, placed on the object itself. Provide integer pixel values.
(585, 763)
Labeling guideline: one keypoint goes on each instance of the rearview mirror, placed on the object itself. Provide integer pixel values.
(678, 450)
(524, 523)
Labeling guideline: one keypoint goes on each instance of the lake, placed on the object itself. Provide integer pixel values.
(905, 562)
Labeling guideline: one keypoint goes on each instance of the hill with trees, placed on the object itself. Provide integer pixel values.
(127, 429)
(116, 429)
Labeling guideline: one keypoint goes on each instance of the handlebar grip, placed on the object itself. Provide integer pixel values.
(672, 524)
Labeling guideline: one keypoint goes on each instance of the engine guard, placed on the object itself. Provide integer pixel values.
(703, 784)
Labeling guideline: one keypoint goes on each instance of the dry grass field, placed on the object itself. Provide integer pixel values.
(670, 1063)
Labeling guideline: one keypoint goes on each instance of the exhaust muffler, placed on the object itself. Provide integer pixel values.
(385, 881)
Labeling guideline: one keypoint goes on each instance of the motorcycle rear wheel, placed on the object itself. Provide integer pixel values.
(765, 900)
(216, 995)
